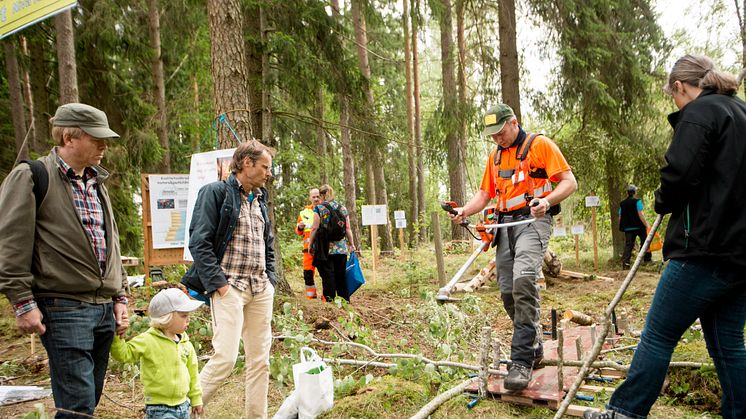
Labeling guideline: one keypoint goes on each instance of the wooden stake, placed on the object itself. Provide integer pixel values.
(593, 334)
(595, 239)
(401, 243)
(579, 347)
(561, 357)
(554, 323)
(438, 250)
(484, 360)
(33, 343)
(496, 354)
(577, 251)
(374, 247)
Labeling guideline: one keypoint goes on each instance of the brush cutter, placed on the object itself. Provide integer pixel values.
(444, 293)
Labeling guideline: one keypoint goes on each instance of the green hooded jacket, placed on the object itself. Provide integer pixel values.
(168, 369)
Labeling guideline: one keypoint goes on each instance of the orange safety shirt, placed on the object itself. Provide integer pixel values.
(511, 193)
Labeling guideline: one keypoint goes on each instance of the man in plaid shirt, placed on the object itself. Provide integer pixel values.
(231, 240)
(60, 264)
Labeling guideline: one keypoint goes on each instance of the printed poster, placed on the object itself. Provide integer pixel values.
(205, 168)
(168, 207)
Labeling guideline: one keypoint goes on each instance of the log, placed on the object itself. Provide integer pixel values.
(579, 275)
(552, 264)
(578, 317)
(479, 279)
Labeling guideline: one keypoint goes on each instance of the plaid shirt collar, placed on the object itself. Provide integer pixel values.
(88, 172)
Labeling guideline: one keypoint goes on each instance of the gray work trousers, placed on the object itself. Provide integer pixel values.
(520, 253)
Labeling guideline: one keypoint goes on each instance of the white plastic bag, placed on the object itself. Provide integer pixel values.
(314, 384)
(289, 408)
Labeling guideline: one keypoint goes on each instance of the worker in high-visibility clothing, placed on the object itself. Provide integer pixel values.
(303, 228)
(519, 173)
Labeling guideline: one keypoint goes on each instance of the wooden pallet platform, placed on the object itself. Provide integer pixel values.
(543, 389)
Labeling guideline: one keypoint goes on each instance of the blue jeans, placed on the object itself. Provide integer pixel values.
(78, 339)
(162, 411)
(714, 292)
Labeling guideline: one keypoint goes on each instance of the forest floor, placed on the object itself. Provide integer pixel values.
(395, 312)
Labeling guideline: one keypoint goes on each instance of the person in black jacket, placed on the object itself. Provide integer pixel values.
(703, 187)
(633, 223)
(231, 241)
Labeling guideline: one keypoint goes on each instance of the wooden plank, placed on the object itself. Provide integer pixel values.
(577, 411)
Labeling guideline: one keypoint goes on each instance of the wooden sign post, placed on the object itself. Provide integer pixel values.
(401, 223)
(153, 256)
(438, 250)
(373, 216)
(593, 201)
(577, 230)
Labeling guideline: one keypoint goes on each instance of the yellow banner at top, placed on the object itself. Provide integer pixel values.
(17, 14)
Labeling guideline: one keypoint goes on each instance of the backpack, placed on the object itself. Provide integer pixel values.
(41, 180)
(335, 226)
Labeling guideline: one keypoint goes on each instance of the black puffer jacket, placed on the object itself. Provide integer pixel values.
(703, 185)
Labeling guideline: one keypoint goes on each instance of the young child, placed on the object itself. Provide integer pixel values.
(168, 361)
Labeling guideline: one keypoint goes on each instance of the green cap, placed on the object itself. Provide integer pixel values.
(496, 117)
(91, 120)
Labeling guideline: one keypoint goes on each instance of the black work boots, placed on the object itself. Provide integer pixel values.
(518, 377)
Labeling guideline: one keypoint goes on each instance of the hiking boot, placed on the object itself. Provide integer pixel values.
(604, 414)
(518, 377)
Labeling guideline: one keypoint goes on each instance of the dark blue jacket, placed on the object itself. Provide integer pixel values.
(213, 221)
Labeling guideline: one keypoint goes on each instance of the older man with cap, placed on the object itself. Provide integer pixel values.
(60, 264)
(519, 173)
(633, 224)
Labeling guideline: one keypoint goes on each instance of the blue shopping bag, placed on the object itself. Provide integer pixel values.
(353, 274)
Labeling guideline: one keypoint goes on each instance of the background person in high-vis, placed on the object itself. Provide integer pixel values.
(303, 228)
(519, 174)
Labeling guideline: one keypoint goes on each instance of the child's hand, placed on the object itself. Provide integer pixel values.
(197, 410)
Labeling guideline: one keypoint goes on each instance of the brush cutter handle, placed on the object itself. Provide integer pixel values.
(448, 207)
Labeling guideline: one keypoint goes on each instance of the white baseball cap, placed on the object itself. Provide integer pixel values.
(170, 300)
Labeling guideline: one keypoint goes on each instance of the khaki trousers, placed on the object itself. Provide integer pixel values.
(239, 315)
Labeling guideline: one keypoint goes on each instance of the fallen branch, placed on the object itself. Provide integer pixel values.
(425, 360)
(441, 398)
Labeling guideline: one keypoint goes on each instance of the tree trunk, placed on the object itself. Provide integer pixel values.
(63, 24)
(349, 169)
(350, 180)
(462, 89)
(283, 287)
(741, 14)
(418, 124)
(229, 72)
(38, 80)
(374, 154)
(450, 115)
(16, 98)
(387, 241)
(321, 137)
(254, 52)
(156, 65)
(615, 189)
(509, 73)
(411, 151)
(27, 96)
(195, 94)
